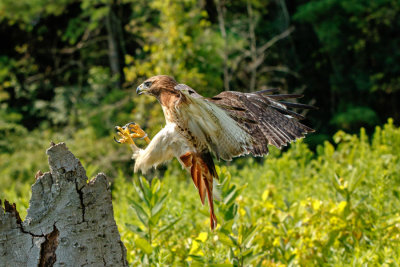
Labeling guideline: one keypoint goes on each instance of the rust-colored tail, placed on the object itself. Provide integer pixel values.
(202, 170)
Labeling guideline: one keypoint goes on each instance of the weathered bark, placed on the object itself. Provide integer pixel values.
(69, 222)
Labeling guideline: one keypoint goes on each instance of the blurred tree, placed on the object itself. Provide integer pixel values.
(181, 45)
(249, 62)
(358, 43)
(56, 45)
(73, 63)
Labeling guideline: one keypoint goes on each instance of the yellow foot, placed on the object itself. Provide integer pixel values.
(129, 132)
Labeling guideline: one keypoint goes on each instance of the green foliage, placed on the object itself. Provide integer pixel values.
(182, 45)
(353, 116)
(337, 206)
(361, 64)
(30, 11)
(149, 215)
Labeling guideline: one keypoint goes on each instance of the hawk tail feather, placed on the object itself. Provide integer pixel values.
(202, 170)
(213, 218)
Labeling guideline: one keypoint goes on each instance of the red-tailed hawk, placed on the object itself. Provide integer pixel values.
(227, 125)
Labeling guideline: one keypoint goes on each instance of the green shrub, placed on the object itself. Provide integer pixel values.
(336, 206)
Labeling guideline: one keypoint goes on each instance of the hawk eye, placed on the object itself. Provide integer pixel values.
(147, 84)
(191, 92)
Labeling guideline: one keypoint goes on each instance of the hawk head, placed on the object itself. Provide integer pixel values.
(158, 85)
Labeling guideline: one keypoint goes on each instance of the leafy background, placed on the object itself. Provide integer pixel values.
(67, 73)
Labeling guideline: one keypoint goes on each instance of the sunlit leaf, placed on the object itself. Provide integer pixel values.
(249, 235)
(159, 205)
(145, 186)
(143, 245)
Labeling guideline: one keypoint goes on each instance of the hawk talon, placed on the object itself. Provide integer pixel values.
(129, 124)
(144, 137)
(138, 132)
(129, 132)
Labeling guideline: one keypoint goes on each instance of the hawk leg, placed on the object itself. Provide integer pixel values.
(129, 132)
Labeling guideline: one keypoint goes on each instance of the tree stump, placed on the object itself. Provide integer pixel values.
(70, 221)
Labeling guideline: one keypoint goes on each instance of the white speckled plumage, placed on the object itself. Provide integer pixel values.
(166, 144)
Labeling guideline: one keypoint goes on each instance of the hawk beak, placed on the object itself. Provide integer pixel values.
(140, 90)
(144, 88)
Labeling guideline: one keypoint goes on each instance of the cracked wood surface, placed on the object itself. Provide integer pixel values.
(69, 222)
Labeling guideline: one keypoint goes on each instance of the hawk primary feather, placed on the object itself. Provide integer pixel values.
(228, 125)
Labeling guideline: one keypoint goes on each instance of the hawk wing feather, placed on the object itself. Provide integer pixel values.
(271, 117)
(213, 126)
(265, 119)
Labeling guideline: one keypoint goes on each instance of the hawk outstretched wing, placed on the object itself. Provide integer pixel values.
(243, 123)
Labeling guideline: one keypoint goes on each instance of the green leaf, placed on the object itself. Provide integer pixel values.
(249, 235)
(224, 239)
(354, 182)
(197, 258)
(231, 212)
(155, 186)
(142, 215)
(159, 205)
(145, 186)
(155, 218)
(230, 197)
(168, 226)
(247, 252)
(136, 230)
(226, 227)
(234, 240)
(249, 258)
(141, 195)
(233, 194)
(144, 245)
